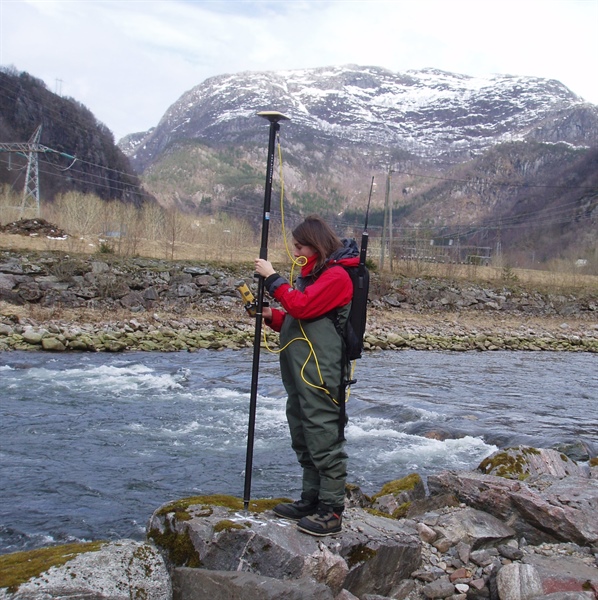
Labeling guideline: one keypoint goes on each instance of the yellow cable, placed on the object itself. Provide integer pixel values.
(294, 261)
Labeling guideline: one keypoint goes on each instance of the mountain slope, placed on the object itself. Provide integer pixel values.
(69, 129)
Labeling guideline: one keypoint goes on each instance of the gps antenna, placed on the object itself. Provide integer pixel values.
(274, 118)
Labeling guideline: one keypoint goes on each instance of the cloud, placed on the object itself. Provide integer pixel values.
(129, 60)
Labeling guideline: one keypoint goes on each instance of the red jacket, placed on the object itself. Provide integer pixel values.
(332, 289)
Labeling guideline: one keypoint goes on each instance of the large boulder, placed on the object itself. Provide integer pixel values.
(524, 462)
(559, 578)
(544, 510)
(372, 555)
(117, 570)
(204, 584)
(473, 527)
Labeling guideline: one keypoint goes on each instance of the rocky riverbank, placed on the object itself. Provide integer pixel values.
(522, 526)
(56, 302)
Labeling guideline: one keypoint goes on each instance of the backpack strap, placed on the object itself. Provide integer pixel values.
(345, 374)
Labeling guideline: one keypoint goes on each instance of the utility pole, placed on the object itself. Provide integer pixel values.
(387, 224)
(389, 203)
(499, 243)
(383, 240)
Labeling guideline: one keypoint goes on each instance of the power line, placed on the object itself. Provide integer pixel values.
(497, 183)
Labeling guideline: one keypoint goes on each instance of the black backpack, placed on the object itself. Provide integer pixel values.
(355, 328)
(352, 335)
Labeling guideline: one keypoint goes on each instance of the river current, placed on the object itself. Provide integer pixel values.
(92, 444)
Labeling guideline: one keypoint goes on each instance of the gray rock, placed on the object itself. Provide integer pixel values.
(510, 552)
(428, 574)
(180, 278)
(522, 462)
(355, 497)
(518, 582)
(440, 588)
(186, 290)
(564, 573)
(47, 282)
(196, 271)
(99, 267)
(545, 510)
(205, 281)
(117, 571)
(7, 282)
(151, 294)
(403, 589)
(425, 505)
(481, 558)
(371, 555)
(473, 527)
(53, 344)
(427, 534)
(132, 299)
(202, 584)
(463, 551)
(12, 267)
(569, 596)
(6, 329)
(32, 336)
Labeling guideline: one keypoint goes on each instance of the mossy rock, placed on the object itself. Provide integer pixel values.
(407, 484)
(523, 461)
(178, 545)
(19, 567)
(401, 511)
(377, 513)
(503, 464)
(360, 554)
(181, 507)
(227, 525)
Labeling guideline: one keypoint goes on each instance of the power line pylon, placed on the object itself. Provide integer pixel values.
(31, 190)
(31, 150)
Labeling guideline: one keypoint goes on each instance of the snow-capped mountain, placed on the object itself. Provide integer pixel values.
(509, 160)
(427, 113)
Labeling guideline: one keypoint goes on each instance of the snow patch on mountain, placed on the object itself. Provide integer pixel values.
(430, 113)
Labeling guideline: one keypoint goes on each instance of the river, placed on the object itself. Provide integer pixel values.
(92, 444)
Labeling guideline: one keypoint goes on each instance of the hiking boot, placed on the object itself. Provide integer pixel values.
(296, 510)
(326, 521)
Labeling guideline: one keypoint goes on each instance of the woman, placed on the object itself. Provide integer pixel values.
(311, 364)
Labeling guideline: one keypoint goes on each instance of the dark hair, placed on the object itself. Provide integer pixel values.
(317, 234)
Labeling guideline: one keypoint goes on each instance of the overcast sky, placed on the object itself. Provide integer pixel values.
(129, 60)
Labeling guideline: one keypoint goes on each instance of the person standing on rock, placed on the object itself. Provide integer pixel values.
(311, 364)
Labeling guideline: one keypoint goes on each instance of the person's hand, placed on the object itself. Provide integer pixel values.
(267, 313)
(264, 267)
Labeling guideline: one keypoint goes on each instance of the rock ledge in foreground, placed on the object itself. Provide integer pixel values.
(370, 556)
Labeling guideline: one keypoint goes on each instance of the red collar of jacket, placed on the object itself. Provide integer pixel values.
(343, 262)
(308, 267)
